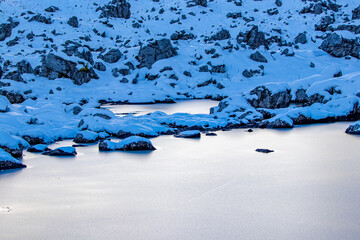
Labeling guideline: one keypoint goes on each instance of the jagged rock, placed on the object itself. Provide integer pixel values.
(39, 148)
(234, 15)
(351, 28)
(218, 69)
(1, 72)
(338, 46)
(253, 38)
(61, 151)
(273, 11)
(258, 57)
(264, 150)
(221, 35)
(13, 97)
(158, 50)
(51, 9)
(24, 67)
(354, 129)
(15, 76)
(84, 53)
(356, 13)
(56, 67)
(9, 162)
(189, 134)
(302, 97)
(266, 99)
(41, 19)
(116, 9)
(301, 38)
(112, 56)
(324, 23)
(6, 29)
(194, 3)
(73, 21)
(100, 66)
(288, 53)
(182, 35)
(278, 3)
(133, 143)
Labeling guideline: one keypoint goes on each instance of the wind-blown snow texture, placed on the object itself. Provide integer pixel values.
(272, 63)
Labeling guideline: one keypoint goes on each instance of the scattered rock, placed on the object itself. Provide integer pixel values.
(223, 34)
(189, 134)
(182, 35)
(112, 56)
(39, 148)
(356, 13)
(73, 21)
(51, 9)
(133, 143)
(258, 57)
(211, 134)
(301, 38)
(6, 29)
(338, 46)
(264, 150)
(86, 137)
(264, 98)
(61, 151)
(116, 9)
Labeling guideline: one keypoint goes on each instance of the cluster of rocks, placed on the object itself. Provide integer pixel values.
(338, 46)
(116, 9)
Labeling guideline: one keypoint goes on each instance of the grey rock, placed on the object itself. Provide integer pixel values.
(218, 69)
(337, 46)
(351, 28)
(353, 129)
(194, 3)
(116, 9)
(221, 35)
(60, 152)
(158, 50)
(278, 3)
(277, 123)
(84, 53)
(24, 67)
(51, 9)
(258, 57)
(133, 146)
(100, 66)
(73, 21)
(182, 35)
(41, 19)
(112, 56)
(13, 97)
(15, 76)
(301, 38)
(253, 38)
(356, 13)
(324, 23)
(264, 150)
(266, 99)
(6, 29)
(7, 165)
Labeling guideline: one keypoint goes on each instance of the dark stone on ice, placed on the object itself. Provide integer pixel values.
(263, 150)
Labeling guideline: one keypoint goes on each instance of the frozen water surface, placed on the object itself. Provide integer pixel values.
(212, 188)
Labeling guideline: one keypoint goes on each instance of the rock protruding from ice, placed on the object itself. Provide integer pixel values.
(116, 9)
(4, 104)
(54, 67)
(9, 162)
(61, 151)
(270, 96)
(354, 128)
(155, 51)
(189, 134)
(264, 150)
(89, 136)
(133, 143)
(277, 122)
(338, 46)
(39, 148)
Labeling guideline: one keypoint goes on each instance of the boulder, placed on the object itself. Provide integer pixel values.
(41, 19)
(324, 23)
(84, 53)
(8, 162)
(188, 134)
(86, 137)
(39, 148)
(112, 56)
(182, 35)
(116, 9)
(264, 150)
(158, 50)
(338, 46)
(194, 3)
(61, 151)
(301, 38)
(356, 13)
(51, 9)
(253, 38)
(73, 21)
(133, 143)
(258, 57)
(6, 29)
(100, 66)
(278, 3)
(354, 128)
(223, 34)
(262, 97)
(277, 122)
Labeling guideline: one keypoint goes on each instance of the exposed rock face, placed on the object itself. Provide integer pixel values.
(51, 9)
(324, 23)
(13, 97)
(39, 148)
(41, 19)
(337, 46)
(194, 3)
(182, 35)
(56, 67)
(6, 28)
(258, 57)
(351, 28)
(112, 56)
(356, 13)
(73, 21)
(24, 67)
(100, 66)
(353, 129)
(86, 137)
(277, 123)
(302, 97)
(221, 35)
(160, 49)
(266, 99)
(254, 38)
(116, 9)
(133, 143)
(84, 53)
(301, 38)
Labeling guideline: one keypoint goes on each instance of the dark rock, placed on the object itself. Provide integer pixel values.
(263, 150)
(266, 99)
(351, 28)
(13, 97)
(182, 35)
(356, 13)
(324, 23)
(116, 9)
(338, 74)
(84, 53)
(38, 148)
(337, 46)
(194, 3)
(353, 129)
(73, 21)
(211, 134)
(301, 38)
(86, 137)
(189, 134)
(273, 11)
(221, 35)
(24, 67)
(234, 15)
(100, 66)
(41, 19)
(254, 38)
(6, 29)
(7, 165)
(16, 76)
(258, 57)
(51, 9)
(112, 56)
(61, 151)
(158, 50)
(248, 74)
(218, 69)
(278, 3)
(204, 68)
(132, 143)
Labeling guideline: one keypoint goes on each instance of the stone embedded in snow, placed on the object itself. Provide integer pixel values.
(73, 21)
(278, 3)
(223, 34)
(270, 96)
(338, 46)
(258, 57)
(61, 151)
(51, 9)
(38, 148)
(100, 66)
(301, 38)
(253, 38)
(4, 104)
(193, 3)
(324, 23)
(133, 143)
(211, 134)
(86, 137)
(182, 35)
(354, 128)
(9, 162)
(356, 13)
(6, 28)
(155, 51)
(112, 56)
(189, 134)
(277, 122)
(116, 9)
(264, 150)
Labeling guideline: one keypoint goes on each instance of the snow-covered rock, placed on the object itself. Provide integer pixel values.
(354, 128)
(188, 134)
(133, 143)
(61, 151)
(38, 148)
(4, 104)
(9, 162)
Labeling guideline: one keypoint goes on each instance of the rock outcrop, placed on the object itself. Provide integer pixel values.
(338, 46)
(116, 9)
(264, 98)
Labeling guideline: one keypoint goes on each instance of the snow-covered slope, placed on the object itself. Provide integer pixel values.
(272, 63)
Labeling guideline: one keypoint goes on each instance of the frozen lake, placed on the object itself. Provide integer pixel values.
(186, 106)
(212, 188)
